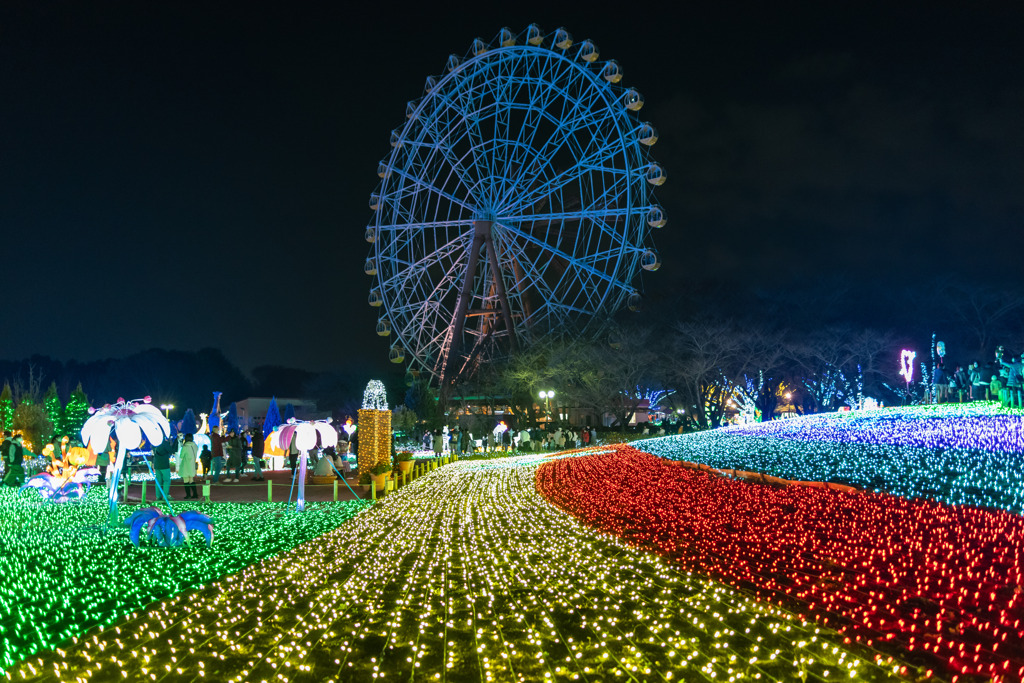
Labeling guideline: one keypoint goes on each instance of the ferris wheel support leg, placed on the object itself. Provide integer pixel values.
(480, 229)
(499, 284)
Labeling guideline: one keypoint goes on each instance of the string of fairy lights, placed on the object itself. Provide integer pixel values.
(65, 573)
(468, 573)
(936, 585)
(970, 454)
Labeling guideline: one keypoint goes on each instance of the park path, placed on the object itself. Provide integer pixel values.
(467, 574)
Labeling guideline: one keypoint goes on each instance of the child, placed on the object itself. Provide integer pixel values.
(206, 457)
(993, 389)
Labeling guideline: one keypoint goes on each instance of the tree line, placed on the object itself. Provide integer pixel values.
(718, 351)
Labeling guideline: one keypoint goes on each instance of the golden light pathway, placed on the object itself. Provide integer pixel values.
(465, 575)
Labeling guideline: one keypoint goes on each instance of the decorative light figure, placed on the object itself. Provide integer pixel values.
(130, 422)
(375, 397)
(907, 365)
(375, 428)
(304, 435)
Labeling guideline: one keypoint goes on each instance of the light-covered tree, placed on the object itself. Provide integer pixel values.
(53, 409)
(76, 412)
(6, 408)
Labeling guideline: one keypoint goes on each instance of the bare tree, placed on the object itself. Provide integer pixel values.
(521, 376)
(763, 367)
(603, 377)
(705, 353)
(31, 390)
(984, 312)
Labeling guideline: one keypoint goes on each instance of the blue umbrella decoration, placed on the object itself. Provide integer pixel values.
(231, 421)
(273, 418)
(188, 424)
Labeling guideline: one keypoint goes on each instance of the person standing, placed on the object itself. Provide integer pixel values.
(438, 443)
(187, 466)
(5, 449)
(1014, 382)
(206, 460)
(162, 453)
(14, 456)
(217, 442)
(293, 456)
(994, 388)
(524, 440)
(102, 463)
(257, 454)
(974, 376)
(233, 453)
(940, 380)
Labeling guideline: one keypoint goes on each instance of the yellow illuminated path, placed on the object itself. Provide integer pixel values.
(467, 574)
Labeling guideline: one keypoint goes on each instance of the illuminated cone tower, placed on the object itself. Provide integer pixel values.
(374, 427)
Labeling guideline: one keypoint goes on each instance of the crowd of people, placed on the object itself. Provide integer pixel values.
(503, 439)
(1001, 380)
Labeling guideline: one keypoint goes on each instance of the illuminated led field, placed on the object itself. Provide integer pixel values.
(971, 454)
(64, 573)
(468, 574)
(936, 585)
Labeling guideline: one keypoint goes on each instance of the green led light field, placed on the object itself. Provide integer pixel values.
(64, 573)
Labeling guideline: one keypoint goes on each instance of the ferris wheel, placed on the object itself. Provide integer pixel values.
(516, 204)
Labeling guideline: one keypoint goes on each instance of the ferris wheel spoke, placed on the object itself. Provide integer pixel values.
(579, 118)
(571, 216)
(527, 278)
(428, 225)
(555, 184)
(413, 269)
(431, 189)
(526, 236)
(441, 145)
(609, 223)
(470, 117)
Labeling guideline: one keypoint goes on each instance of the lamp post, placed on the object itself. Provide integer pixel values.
(167, 408)
(547, 396)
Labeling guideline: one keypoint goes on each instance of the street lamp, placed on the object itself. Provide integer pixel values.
(167, 407)
(547, 396)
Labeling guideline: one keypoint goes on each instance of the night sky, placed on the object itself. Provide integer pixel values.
(184, 175)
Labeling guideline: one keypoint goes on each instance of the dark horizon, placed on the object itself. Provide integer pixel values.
(184, 177)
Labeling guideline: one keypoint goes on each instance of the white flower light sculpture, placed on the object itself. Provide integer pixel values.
(305, 436)
(129, 421)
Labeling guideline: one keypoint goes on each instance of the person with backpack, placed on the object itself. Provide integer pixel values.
(14, 459)
(5, 447)
(162, 453)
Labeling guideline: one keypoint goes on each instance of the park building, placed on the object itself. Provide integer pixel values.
(253, 410)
